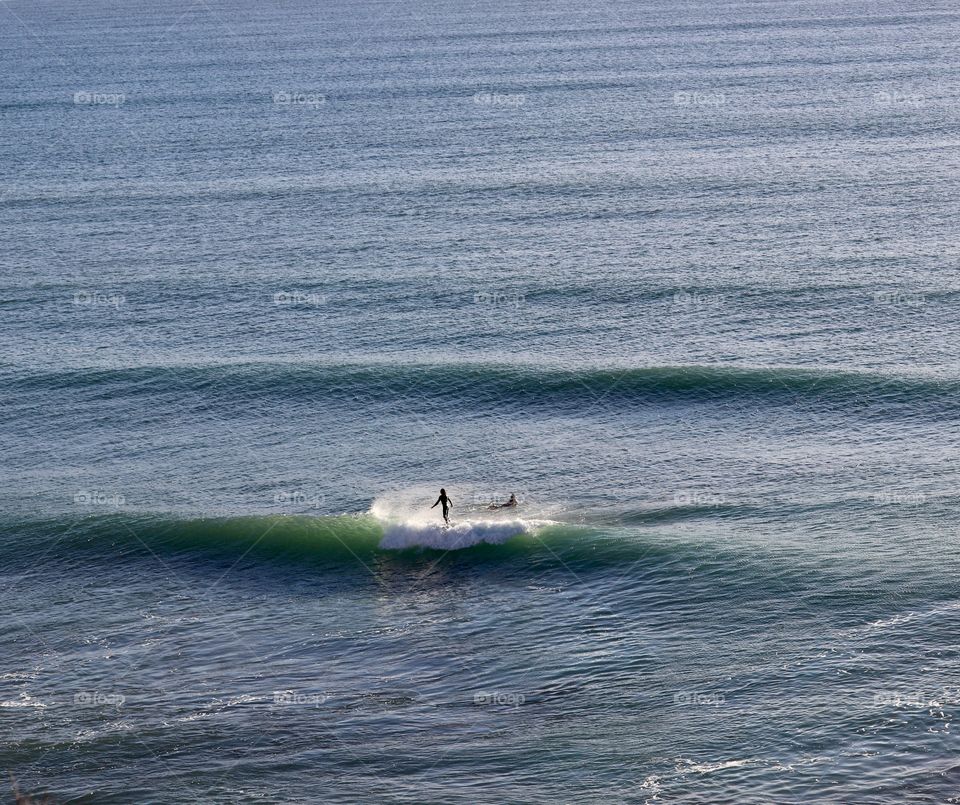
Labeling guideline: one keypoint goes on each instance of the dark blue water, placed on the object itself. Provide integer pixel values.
(680, 276)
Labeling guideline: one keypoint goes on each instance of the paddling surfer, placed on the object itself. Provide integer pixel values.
(508, 505)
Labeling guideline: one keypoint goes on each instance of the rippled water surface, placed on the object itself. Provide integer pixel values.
(681, 276)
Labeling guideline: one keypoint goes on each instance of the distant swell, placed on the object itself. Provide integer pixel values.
(469, 385)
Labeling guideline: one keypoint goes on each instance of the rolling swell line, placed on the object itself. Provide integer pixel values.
(352, 543)
(331, 537)
(478, 384)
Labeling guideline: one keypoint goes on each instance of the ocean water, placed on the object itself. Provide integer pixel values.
(682, 276)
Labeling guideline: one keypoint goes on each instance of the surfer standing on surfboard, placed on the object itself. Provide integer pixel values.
(443, 499)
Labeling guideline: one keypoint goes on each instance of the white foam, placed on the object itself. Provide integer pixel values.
(409, 522)
(398, 535)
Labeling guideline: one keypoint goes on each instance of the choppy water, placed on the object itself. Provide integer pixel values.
(682, 276)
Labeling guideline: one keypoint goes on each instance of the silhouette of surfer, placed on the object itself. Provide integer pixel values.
(446, 503)
(508, 505)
